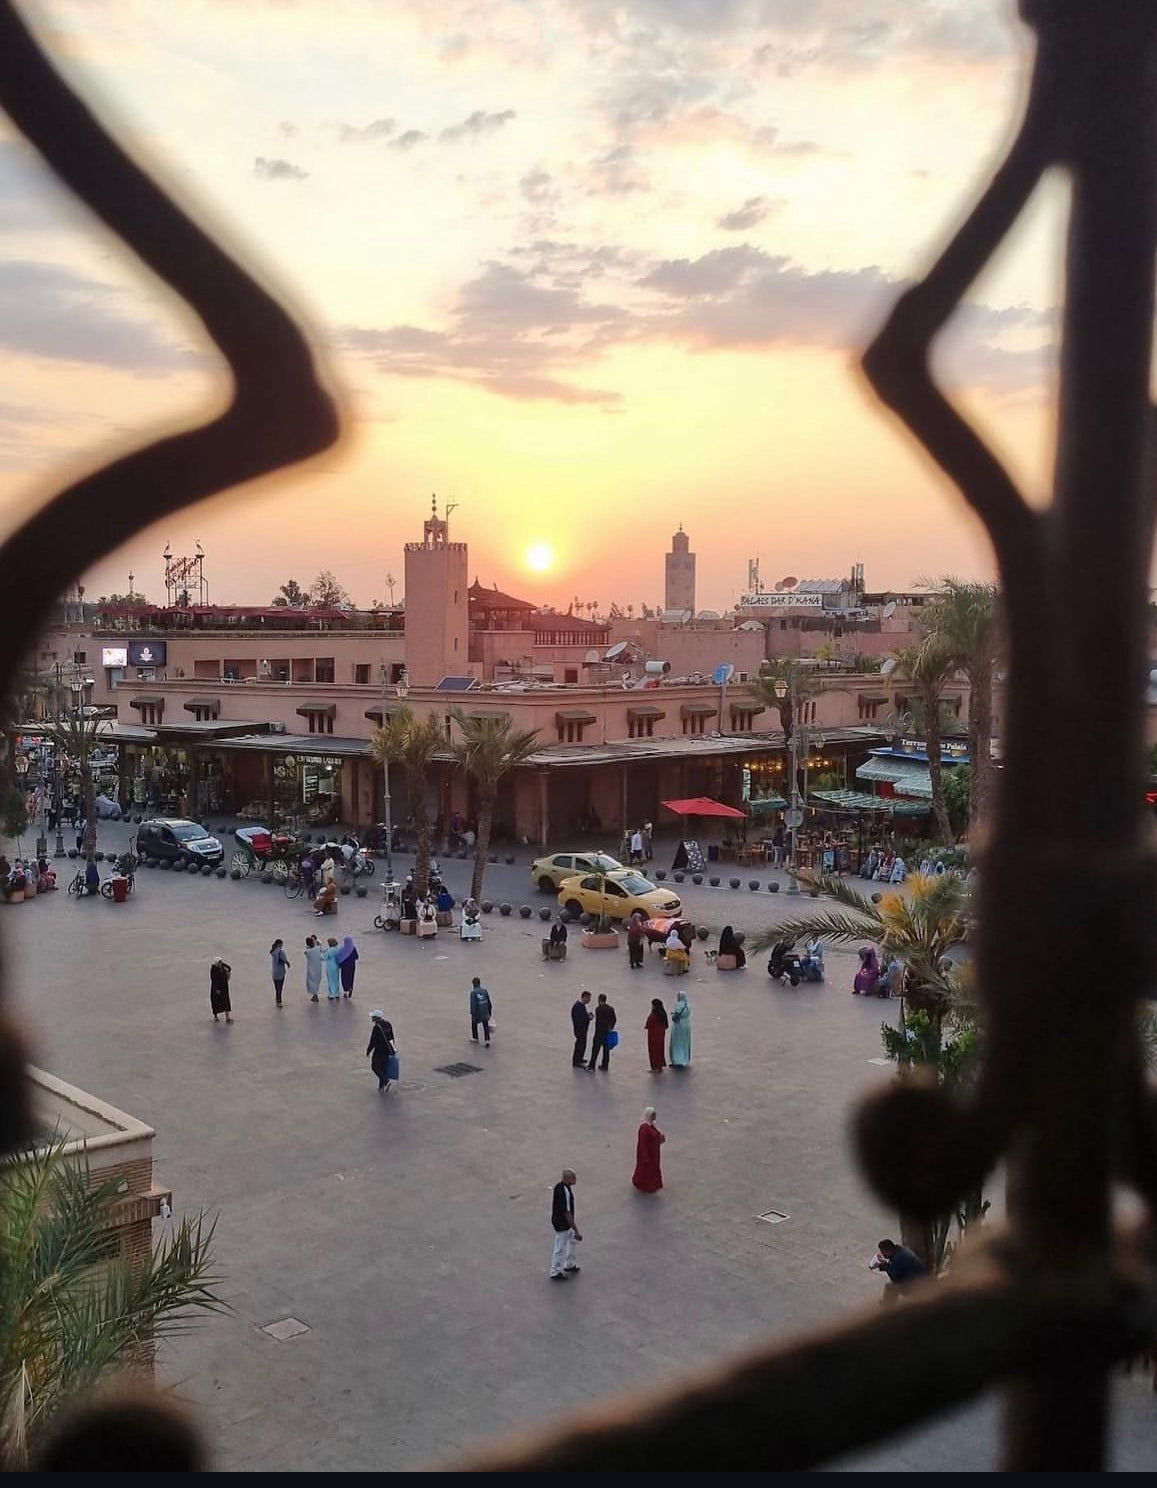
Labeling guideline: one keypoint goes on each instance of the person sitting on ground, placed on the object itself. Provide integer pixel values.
(675, 950)
(326, 901)
(47, 874)
(892, 979)
(729, 946)
(899, 1264)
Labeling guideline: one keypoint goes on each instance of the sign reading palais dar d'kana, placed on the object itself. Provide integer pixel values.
(781, 602)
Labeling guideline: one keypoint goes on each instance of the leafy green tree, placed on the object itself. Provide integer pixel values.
(967, 618)
(488, 749)
(326, 593)
(291, 596)
(958, 795)
(70, 1316)
(783, 670)
(930, 667)
(75, 735)
(919, 926)
(412, 743)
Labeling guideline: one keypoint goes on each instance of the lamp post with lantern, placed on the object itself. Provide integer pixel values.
(785, 687)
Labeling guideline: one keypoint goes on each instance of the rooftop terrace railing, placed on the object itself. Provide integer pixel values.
(1046, 1307)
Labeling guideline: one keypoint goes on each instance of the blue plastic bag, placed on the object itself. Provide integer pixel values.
(613, 1039)
(393, 1067)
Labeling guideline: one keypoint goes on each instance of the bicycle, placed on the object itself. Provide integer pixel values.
(294, 884)
(77, 887)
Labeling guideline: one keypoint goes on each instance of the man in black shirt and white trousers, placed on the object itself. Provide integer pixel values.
(566, 1232)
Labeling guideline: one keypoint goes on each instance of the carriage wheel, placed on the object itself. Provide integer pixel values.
(279, 867)
(241, 863)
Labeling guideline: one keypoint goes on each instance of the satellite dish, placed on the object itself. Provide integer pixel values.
(722, 674)
(779, 587)
(889, 610)
(888, 666)
(790, 583)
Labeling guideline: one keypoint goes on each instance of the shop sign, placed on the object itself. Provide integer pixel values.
(781, 602)
(954, 750)
(146, 653)
(114, 656)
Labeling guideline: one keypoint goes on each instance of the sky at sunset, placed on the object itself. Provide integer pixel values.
(589, 269)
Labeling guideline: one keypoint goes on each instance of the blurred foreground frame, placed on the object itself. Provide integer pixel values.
(1047, 1307)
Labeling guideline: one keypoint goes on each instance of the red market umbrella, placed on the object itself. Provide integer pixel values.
(703, 806)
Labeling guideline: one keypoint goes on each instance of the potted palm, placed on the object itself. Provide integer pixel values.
(601, 934)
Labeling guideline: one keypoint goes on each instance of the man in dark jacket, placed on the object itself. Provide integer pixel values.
(899, 1264)
(481, 1010)
(580, 1017)
(566, 1232)
(605, 1020)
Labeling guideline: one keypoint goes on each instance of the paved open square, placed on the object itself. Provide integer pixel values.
(386, 1255)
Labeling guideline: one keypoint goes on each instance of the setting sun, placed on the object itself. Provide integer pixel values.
(539, 557)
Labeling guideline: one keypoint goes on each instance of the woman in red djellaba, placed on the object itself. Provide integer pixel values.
(656, 1027)
(648, 1177)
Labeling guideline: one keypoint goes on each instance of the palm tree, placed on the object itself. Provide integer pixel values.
(74, 735)
(930, 666)
(919, 928)
(797, 683)
(487, 749)
(967, 616)
(412, 743)
(70, 1316)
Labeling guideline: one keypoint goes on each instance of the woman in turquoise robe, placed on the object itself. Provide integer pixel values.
(332, 970)
(680, 1056)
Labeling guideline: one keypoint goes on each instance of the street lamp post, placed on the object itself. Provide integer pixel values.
(795, 814)
(386, 804)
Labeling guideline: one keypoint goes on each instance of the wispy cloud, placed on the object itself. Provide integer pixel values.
(753, 211)
(277, 170)
(376, 129)
(407, 140)
(476, 125)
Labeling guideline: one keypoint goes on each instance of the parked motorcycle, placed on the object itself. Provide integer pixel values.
(784, 964)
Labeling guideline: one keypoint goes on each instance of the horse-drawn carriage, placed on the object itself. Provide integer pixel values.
(258, 847)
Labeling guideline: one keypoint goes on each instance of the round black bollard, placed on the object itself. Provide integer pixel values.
(773, 887)
(740, 937)
(697, 878)
(586, 919)
(221, 872)
(98, 857)
(206, 870)
(360, 890)
(504, 909)
(179, 865)
(753, 884)
(487, 906)
(713, 881)
(166, 864)
(525, 911)
(137, 820)
(703, 932)
(660, 875)
(734, 882)
(492, 858)
(72, 853)
(679, 878)
(509, 859)
(235, 873)
(544, 913)
(345, 888)
(267, 877)
(876, 898)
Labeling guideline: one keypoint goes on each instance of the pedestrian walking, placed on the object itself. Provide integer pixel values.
(383, 1055)
(605, 1020)
(219, 974)
(566, 1231)
(81, 826)
(648, 841)
(681, 1033)
(656, 1026)
(580, 1017)
(347, 961)
(636, 847)
(332, 970)
(648, 1174)
(278, 965)
(481, 1010)
(314, 962)
(636, 940)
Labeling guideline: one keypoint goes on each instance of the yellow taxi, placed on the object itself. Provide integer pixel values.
(617, 895)
(549, 873)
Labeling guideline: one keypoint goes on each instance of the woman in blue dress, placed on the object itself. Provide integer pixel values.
(681, 1033)
(332, 970)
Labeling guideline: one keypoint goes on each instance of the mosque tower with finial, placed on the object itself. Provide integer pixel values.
(680, 590)
(437, 608)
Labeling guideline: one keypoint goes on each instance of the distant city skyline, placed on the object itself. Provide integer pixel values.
(588, 269)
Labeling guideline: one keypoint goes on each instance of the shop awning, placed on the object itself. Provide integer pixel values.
(753, 710)
(767, 803)
(647, 710)
(906, 776)
(147, 700)
(873, 697)
(193, 704)
(318, 710)
(849, 800)
(701, 806)
(575, 715)
(698, 710)
(379, 714)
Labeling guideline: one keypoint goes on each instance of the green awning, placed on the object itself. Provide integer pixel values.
(849, 800)
(767, 803)
(910, 777)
